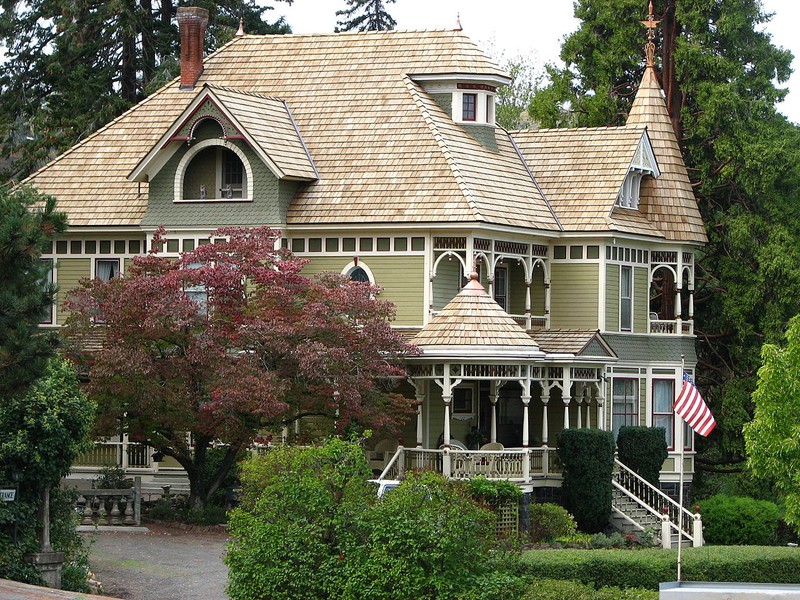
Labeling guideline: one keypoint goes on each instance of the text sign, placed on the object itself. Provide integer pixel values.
(8, 495)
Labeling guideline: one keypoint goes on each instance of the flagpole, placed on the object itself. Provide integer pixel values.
(680, 485)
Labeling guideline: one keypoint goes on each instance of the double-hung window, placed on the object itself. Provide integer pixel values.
(469, 107)
(626, 298)
(663, 397)
(106, 269)
(47, 266)
(625, 403)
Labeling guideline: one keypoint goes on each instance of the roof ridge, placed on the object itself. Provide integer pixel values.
(244, 93)
(440, 141)
(560, 130)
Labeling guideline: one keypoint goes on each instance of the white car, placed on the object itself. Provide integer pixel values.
(384, 485)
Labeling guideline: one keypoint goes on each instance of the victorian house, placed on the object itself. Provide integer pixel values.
(546, 275)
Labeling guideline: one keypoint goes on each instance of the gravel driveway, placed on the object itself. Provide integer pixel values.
(163, 564)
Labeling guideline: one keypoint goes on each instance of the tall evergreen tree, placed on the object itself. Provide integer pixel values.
(28, 223)
(365, 15)
(72, 66)
(718, 72)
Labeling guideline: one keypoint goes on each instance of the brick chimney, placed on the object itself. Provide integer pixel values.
(192, 22)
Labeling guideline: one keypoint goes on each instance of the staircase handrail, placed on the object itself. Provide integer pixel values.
(391, 464)
(635, 487)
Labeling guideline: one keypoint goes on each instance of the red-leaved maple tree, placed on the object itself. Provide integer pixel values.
(231, 338)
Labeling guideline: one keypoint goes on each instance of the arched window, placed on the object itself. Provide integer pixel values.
(359, 274)
(213, 170)
(358, 271)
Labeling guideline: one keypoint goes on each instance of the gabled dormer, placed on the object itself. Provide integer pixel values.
(643, 165)
(229, 147)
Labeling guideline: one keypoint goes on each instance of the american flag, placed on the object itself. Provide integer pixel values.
(692, 408)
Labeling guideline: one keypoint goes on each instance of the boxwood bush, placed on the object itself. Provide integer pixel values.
(643, 450)
(548, 522)
(737, 520)
(646, 568)
(587, 456)
(554, 589)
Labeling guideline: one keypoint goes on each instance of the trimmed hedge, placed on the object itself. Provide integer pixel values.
(587, 456)
(554, 589)
(643, 450)
(646, 568)
(737, 520)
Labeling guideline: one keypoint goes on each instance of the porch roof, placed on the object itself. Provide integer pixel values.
(576, 342)
(474, 325)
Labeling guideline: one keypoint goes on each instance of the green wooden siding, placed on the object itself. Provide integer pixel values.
(516, 288)
(537, 292)
(574, 296)
(612, 298)
(641, 300)
(401, 277)
(447, 283)
(70, 272)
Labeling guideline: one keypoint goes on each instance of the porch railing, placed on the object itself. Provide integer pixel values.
(513, 464)
(675, 519)
(131, 455)
(672, 327)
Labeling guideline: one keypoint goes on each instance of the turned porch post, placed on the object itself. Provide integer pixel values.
(493, 401)
(526, 400)
(545, 400)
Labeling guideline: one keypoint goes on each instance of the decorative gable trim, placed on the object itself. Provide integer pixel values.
(210, 103)
(643, 163)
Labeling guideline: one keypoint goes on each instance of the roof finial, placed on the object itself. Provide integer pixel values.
(240, 31)
(651, 24)
(458, 22)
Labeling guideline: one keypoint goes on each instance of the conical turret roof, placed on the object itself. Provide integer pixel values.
(473, 324)
(668, 201)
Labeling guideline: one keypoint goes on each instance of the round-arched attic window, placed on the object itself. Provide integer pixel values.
(359, 274)
(215, 173)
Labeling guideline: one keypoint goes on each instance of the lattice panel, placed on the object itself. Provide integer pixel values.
(511, 247)
(482, 244)
(664, 257)
(450, 243)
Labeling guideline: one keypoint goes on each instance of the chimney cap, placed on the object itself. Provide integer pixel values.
(186, 13)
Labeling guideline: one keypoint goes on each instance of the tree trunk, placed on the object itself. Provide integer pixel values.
(669, 81)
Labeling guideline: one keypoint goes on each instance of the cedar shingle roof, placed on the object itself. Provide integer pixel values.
(581, 172)
(577, 342)
(474, 320)
(669, 201)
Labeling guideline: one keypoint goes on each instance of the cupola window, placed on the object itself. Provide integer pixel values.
(469, 107)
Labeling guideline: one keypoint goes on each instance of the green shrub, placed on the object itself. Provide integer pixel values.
(310, 526)
(495, 586)
(737, 520)
(112, 477)
(587, 456)
(643, 450)
(554, 589)
(492, 491)
(549, 521)
(647, 567)
(162, 510)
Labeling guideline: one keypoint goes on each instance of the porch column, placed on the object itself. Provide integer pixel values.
(678, 320)
(566, 411)
(420, 397)
(447, 399)
(545, 400)
(578, 401)
(547, 301)
(528, 282)
(589, 409)
(526, 400)
(601, 404)
(566, 387)
(493, 401)
(124, 458)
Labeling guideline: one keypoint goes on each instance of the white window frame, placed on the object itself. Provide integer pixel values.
(626, 301)
(353, 265)
(626, 403)
(109, 260)
(666, 416)
(51, 279)
(183, 165)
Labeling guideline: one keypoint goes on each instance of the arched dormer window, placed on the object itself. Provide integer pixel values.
(214, 170)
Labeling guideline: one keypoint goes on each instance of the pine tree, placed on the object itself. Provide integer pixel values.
(28, 223)
(75, 65)
(718, 72)
(365, 15)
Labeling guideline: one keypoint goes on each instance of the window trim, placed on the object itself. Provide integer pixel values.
(183, 165)
(626, 308)
(51, 280)
(469, 404)
(670, 413)
(504, 269)
(353, 265)
(636, 403)
(106, 259)
(473, 118)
